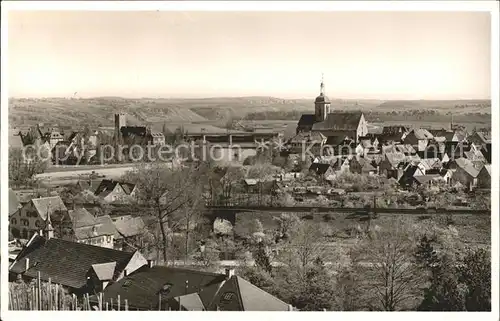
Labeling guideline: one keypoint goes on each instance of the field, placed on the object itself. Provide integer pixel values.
(216, 111)
(71, 174)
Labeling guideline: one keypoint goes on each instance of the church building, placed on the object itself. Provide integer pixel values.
(350, 124)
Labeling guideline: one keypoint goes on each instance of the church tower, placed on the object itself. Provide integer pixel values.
(321, 104)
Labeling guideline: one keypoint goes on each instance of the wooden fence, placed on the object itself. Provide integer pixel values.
(47, 296)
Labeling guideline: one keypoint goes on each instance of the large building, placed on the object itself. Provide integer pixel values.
(329, 122)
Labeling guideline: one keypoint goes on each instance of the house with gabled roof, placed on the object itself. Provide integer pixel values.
(14, 204)
(179, 289)
(464, 172)
(392, 165)
(72, 264)
(116, 192)
(411, 171)
(484, 177)
(361, 165)
(418, 138)
(304, 140)
(92, 230)
(340, 164)
(31, 217)
(474, 154)
(128, 232)
(237, 294)
(428, 180)
(430, 165)
(322, 170)
(479, 139)
(486, 151)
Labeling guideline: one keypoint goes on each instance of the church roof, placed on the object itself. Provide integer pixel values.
(307, 120)
(340, 121)
(322, 98)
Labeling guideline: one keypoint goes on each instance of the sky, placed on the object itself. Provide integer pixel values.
(363, 55)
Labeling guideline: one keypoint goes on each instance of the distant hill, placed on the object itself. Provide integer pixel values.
(100, 110)
(456, 106)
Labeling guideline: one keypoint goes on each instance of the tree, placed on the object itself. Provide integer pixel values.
(208, 254)
(387, 263)
(444, 292)
(425, 254)
(302, 249)
(262, 257)
(475, 274)
(287, 224)
(25, 163)
(231, 183)
(315, 291)
(167, 193)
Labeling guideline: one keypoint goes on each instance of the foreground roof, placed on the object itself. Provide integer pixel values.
(143, 288)
(237, 294)
(66, 262)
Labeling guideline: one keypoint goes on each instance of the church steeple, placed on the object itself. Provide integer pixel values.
(321, 104)
(322, 86)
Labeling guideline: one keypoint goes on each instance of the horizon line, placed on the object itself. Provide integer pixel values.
(245, 96)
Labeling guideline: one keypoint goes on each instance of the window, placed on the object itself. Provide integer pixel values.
(38, 223)
(108, 238)
(13, 221)
(32, 214)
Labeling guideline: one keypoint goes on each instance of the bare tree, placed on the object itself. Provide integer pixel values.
(386, 262)
(167, 193)
(305, 246)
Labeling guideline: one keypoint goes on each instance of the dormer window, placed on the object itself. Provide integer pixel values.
(166, 289)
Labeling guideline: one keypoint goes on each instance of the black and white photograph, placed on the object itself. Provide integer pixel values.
(199, 159)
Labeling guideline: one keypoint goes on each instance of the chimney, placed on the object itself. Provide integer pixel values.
(125, 273)
(151, 263)
(41, 232)
(290, 307)
(27, 264)
(229, 273)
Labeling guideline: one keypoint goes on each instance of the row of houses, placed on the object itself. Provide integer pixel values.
(110, 275)
(416, 156)
(51, 216)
